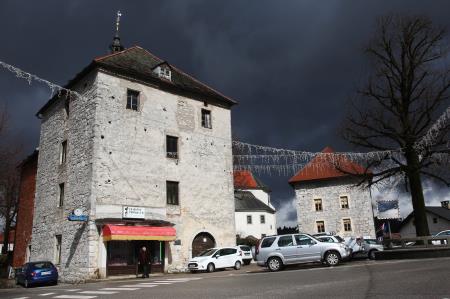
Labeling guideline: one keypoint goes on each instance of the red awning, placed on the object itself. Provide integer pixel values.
(128, 232)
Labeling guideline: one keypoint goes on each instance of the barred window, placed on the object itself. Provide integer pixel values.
(172, 147)
(320, 226)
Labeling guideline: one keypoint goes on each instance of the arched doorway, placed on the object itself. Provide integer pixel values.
(201, 242)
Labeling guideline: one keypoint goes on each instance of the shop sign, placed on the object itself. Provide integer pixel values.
(77, 215)
(133, 212)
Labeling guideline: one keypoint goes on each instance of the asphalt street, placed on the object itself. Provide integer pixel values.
(426, 278)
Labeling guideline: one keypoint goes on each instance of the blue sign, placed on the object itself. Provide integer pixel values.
(73, 217)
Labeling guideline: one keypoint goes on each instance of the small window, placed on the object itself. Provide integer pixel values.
(172, 193)
(344, 202)
(262, 219)
(63, 155)
(320, 226)
(132, 99)
(347, 225)
(61, 195)
(267, 242)
(206, 119)
(249, 219)
(435, 220)
(58, 239)
(318, 204)
(285, 241)
(172, 147)
(164, 72)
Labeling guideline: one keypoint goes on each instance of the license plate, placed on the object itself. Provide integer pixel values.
(46, 273)
(247, 253)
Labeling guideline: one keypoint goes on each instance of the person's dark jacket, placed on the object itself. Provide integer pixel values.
(143, 257)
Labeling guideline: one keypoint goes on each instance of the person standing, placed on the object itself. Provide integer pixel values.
(144, 261)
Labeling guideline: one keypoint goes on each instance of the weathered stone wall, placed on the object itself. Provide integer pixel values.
(360, 207)
(51, 220)
(131, 167)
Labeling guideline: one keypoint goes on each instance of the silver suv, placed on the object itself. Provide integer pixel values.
(276, 251)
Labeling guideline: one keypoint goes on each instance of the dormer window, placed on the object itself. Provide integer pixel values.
(163, 71)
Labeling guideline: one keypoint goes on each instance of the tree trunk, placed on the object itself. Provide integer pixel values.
(417, 198)
(6, 237)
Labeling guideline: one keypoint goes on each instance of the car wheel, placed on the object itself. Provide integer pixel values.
(274, 264)
(26, 284)
(372, 254)
(237, 265)
(247, 262)
(332, 258)
(210, 267)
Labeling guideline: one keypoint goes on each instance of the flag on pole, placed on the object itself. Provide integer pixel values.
(388, 209)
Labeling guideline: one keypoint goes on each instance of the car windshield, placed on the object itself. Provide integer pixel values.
(42, 265)
(208, 252)
(339, 239)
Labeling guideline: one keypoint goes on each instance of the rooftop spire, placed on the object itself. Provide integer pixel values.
(116, 46)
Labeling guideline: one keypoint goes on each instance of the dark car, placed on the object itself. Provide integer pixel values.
(35, 273)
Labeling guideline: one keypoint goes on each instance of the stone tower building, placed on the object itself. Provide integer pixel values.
(142, 159)
(328, 201)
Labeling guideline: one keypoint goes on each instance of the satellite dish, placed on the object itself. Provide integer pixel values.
(77, 212)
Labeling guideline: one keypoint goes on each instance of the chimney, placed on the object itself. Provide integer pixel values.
(445, 204)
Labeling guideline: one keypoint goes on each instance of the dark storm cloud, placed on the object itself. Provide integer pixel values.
(291, 65)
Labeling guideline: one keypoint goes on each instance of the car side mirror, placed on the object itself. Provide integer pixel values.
(313, 243)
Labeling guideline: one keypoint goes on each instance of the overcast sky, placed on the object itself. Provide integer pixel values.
(291, 65)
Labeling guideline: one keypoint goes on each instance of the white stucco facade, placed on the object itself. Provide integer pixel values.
(256, 228)
(117, 157)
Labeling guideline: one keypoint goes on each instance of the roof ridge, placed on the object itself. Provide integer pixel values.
(114, 54)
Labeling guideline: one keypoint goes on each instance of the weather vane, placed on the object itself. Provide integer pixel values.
(119, 14)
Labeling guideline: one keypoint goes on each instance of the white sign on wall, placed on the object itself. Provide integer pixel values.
(133, 212)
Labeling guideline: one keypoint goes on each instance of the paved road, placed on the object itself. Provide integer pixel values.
(428, 278)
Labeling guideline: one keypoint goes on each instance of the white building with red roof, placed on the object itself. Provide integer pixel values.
(254, 213)
(328, 200)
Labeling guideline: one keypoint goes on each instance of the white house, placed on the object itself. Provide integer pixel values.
(144, 158)
(328, 201)
(254, 213)
(438, 219)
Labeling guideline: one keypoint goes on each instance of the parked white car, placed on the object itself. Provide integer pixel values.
(216, 258)
(364, 247)
(246, 253)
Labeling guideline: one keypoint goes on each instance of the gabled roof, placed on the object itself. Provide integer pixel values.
(438, 211)
(137, 63)
(244, 179)
(323, 167)
(245, 201)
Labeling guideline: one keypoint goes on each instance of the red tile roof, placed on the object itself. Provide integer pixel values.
(322, 168)
(244, 179)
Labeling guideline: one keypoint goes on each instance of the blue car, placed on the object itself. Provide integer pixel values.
(35, 273)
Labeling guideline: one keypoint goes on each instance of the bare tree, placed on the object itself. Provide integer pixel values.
(405, 94)
(9, 180)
